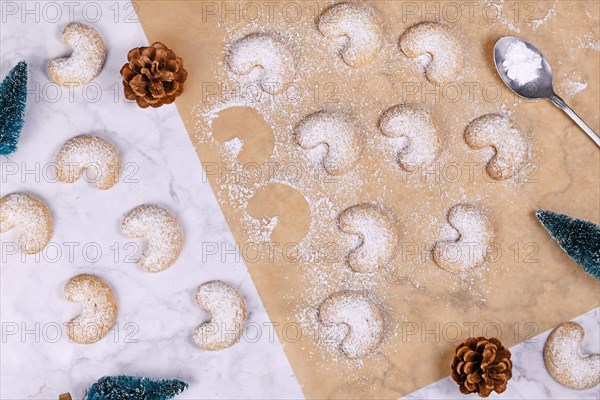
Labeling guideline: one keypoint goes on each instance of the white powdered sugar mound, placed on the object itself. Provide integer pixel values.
(522, 64)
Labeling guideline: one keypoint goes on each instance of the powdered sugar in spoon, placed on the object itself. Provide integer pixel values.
(526, 72)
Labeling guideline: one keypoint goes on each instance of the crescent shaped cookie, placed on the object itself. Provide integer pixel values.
(379, 238)
(98, 312)
(86, 60)
(443, 46)
(267, 52)
(92, 153)
(339, 132)
(422, 132)
(359, 25)
(31, 216)
(504, 136)
(228, 316)
(470, 250)
(361, 315)
(163, 232)
(565, 361)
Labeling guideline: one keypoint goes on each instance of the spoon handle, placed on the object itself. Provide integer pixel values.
(560, 103)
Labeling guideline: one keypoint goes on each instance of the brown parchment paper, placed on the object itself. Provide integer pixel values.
(297, 259)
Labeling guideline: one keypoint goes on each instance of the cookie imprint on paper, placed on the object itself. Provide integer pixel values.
(362, 318)
(86, 60)
(339, 132)
(504, 136)
(566, 362)
(92, 153)
(228, 316)
(473, 246)
(419, 127)
(98, 308)
(266, 52)
(358, 27)
(31, 216)
(436, 41)
(161, 229)
(378, 235)
(253, 133)
(287, 206)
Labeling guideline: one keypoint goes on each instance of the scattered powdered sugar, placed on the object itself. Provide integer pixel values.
(234, 146)
(571, 88)
(522, 64)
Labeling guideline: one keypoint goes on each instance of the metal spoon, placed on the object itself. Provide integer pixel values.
(541, 87)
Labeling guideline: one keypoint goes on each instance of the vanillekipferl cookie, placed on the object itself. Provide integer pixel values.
(443, 46)
(474, 243)
(266, 52)
(228, 316)
(566, 362)
(163, 232)
(98, 308)
(358, 26)
(508, 141)
(378, 235)
(362, 318)
(31, 216)
(86, 60)
(92, 153)
(339, 132)
(421, 130)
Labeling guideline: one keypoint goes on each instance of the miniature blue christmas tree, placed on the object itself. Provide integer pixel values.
(125, 387)
(13, 96)
(578, 238)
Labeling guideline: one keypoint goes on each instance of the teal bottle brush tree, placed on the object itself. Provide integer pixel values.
(125, 387)
(13, 96)
(578, 238)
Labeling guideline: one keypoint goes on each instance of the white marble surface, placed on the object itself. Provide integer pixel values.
(157, 311)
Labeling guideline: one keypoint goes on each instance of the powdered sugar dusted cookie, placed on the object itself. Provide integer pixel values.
(502, 134)
(361, 315)
(338, 130)
(360, 28)
(228, 316)
(31, 216)
(378, 235)
(163, 232)
(565, 361)
(86, 60)
(435, 40)
(265, 51)
(422, 132)
(99, 308)
(475, 237)
(92, 153)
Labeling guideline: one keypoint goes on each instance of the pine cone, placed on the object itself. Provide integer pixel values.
(481, 366)
(153, 75)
